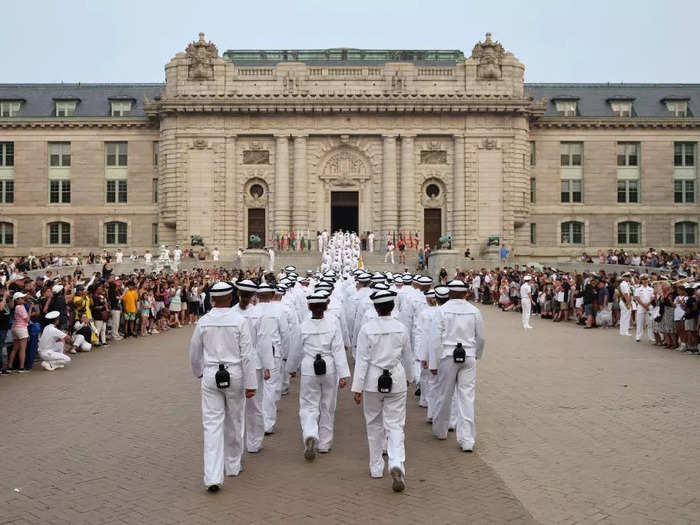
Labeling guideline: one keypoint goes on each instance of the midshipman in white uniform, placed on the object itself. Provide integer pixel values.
(221, 354)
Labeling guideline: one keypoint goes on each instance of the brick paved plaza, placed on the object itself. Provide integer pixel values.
(574, 427)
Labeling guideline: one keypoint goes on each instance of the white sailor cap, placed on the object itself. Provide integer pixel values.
(220, 289)
(398, 279)
(53, 314)
(323, 286)
(246, 285)
(377, 277)
(455, 285)
(285, 281)
(429, 293)
(407, 278)
(309, 272)
(289, 268)
(380, 286)
(317, 298)
(329, 273)
(265, 288)
(626, 274)
(424, 280)
(56, 289)
(280, 290)
(442, 292)
(364, 277)
(330, 280)
(382, 296)
(324, 293)
(528, 278)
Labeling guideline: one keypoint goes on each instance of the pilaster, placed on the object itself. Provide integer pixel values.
(459, 228)
(408, 201)
(389, 184)
(282, 210)
(300, 215)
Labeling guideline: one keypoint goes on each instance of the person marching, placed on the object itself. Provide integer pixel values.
(458, 341)
(221, 355)
(383, 357)
(324, 369)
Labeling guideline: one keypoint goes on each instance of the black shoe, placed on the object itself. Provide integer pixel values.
(213, 488)
(417, 392)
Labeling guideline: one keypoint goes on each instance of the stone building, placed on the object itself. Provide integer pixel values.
(422, 143)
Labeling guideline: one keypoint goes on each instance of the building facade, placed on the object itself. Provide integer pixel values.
(420, 143)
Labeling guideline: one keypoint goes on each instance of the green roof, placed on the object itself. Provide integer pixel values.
(343, 56)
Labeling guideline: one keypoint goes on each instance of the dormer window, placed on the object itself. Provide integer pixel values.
(622, 108)
(10, 108)
(65, 108)
(677, 108)
(120, 108)
(566, 108)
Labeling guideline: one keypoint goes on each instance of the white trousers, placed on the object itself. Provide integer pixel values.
(285, 377)
(254, 426)
(54, 358)
(116, 315)
(271, 394)
(456, 379)
(317, 399)
(223, 421)
(389, 253)
(101, 331)
(80, 342)
(425, 386)
(527, 308)
(385, 417)
(625, 317)
(644, 318)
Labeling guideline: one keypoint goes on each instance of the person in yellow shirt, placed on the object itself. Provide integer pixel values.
(131, 297)
(82, 303)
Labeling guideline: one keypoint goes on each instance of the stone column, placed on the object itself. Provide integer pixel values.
(459, 213)
(282, 211)
(300, 216)
(390, 214)
(407, 213)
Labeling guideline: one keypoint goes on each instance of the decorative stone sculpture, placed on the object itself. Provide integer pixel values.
(201, 55)
(489, 56)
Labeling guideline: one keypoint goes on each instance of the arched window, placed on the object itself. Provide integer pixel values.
(629, 232)
(572, 232)
(59, 233)
(7, 233)
(686, 232)
(115, 233)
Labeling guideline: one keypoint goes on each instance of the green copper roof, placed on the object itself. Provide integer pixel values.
(343, 56)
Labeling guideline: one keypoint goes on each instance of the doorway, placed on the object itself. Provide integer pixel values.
(345, 207)
(256, 226)
(432, 226)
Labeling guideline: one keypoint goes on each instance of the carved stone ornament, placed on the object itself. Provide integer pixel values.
(489, 56)
(490, 144)
(201, 56)
(199, 143)
(345, 168)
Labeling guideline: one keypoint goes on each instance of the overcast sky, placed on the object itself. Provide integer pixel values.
(558, 41)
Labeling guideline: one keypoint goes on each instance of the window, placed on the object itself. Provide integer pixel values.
(59, 154)
(154, 186)
(622, 109)
(10, 108)
(116, 191)
(65, 108)
(115, 233)
(628, 154)
(7, 154)
(59, 191)
(683, 191)
(677, 108)
(684, 154)
(628, 232)
(156, 151)
(571, 154)
(533, 190)
(432, 191)
(566, 108)
(154, 234)
(120, 108)
(7, 233)
(59, 233)
(533, 153)
(533, 233)
(572, 232)
(686, 232)
(7, 191)
(627, 191)
(571, 190)
(117, 154)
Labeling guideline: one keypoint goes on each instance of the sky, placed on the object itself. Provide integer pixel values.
(558, 41)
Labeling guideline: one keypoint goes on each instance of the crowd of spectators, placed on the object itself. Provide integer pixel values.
(651, 258)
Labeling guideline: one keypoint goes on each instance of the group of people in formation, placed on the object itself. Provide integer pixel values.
(340, 252)
(395, 330)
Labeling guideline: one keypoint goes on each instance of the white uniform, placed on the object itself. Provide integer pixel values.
(222, 336)
(382, 344)
(456, 321)
(370, 242)
(625, 312)
(526, 303)
(292, 341)
(644, 294)
(273, 327)
(51, 346)
(476, 284)
(318, 394)
(421, 329)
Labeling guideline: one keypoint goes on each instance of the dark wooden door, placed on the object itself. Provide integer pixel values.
(256, 224)
(432, 226)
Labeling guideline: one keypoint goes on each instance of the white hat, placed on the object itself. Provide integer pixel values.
(317, 298)
(456, 285)
(280, 290)
(265, 288)
(383, 296)
(429, 293)
(56, 289)
(407, 278)
(246, 285)
(289, 268)
(380, 286)
(527, 278)
(442, 292)
(53, 314)
(18, 295)
(364, 277)
(424, 280)
(221, 289)
(377, 277)
(398, 279)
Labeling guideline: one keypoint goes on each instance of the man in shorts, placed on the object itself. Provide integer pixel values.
(131, 297)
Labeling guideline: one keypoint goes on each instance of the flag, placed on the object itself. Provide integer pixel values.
(360, 264)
